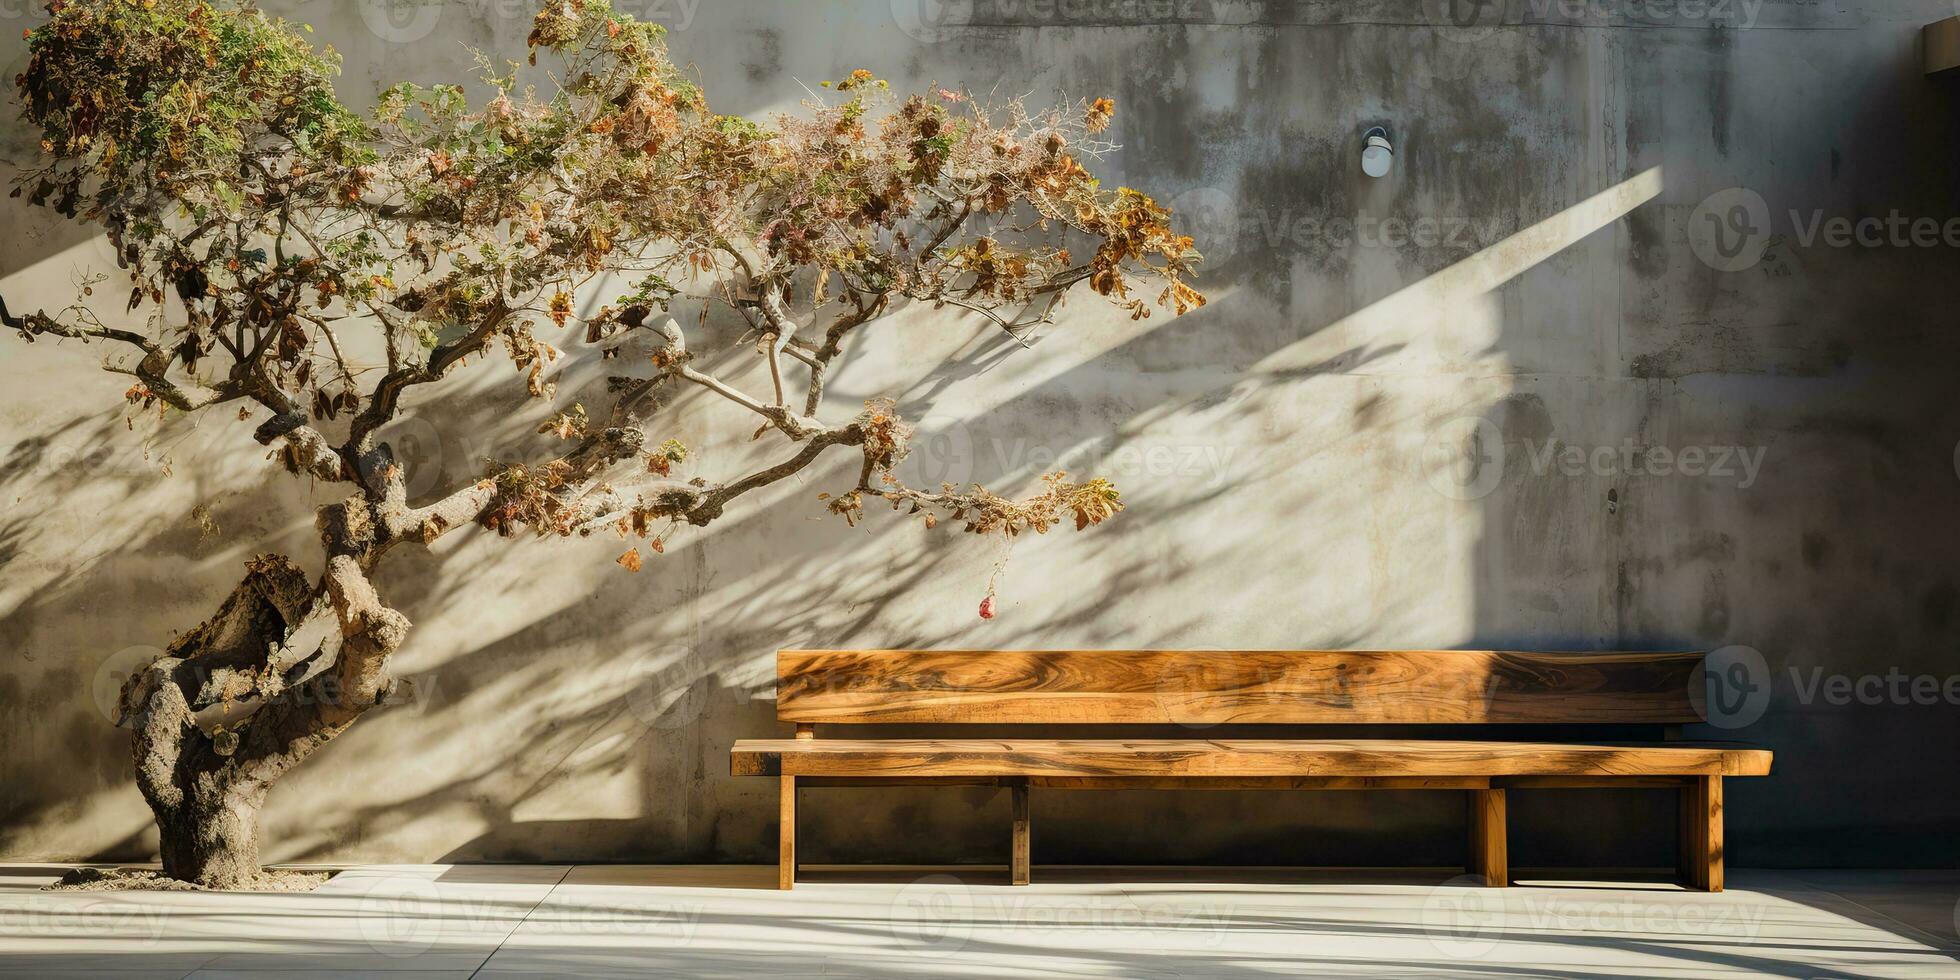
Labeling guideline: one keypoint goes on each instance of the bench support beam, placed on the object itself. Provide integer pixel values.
(1020, 858)
(786, 835)
(1490, 856)
(1701, 855)
(1260, 782)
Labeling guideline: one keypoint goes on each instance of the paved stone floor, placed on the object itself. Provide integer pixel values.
(600, 920)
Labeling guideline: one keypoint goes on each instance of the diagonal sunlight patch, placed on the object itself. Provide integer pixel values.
(1386, 336)
(1410, 320)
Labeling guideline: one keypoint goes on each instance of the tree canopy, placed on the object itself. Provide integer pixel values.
(260, 222)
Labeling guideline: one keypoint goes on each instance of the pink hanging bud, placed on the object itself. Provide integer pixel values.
(987, 608)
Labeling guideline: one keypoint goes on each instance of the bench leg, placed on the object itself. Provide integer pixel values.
(1020, 854)
(1701, 833)
(1489, 855)
(786, 836)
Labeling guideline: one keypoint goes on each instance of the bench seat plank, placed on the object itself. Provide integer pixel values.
(1237, 757)
(1213, 687)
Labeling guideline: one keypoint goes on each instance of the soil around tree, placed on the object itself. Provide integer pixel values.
(150, 879)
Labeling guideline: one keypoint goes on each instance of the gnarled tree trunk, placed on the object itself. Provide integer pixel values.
(212, 838)
(233, 705)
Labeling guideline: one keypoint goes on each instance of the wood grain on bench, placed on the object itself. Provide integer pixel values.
(1200, 689)
(1235, 757)
(1210, 687)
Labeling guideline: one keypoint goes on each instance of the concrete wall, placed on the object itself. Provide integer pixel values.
(1360, 442)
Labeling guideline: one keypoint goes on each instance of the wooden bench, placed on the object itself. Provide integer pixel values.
(1648, 693)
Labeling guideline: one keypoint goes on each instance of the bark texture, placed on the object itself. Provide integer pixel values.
(234, 704)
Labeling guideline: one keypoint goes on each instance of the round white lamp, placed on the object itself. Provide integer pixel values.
(1376, 154)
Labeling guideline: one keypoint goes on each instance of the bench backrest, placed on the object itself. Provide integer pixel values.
(1210, 687)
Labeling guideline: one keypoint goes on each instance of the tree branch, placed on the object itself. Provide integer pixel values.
(673, 359)
(152, 369)
(711, 505)
(833, 345)
(1000, 321)
(386, 399)
(781, 332)
(370, 631)
(307, 451)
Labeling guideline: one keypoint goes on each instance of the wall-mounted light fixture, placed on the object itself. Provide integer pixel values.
(1376, 154)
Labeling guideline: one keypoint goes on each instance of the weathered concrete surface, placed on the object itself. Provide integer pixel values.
(453, 922)
(1359, 443)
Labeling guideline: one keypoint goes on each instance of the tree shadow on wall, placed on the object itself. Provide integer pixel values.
(541, 666)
